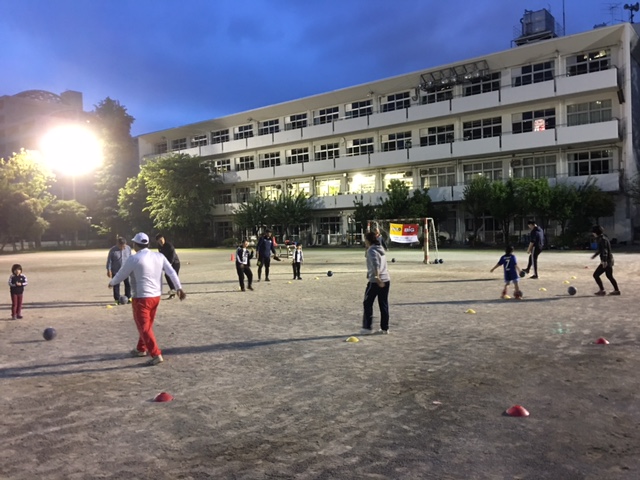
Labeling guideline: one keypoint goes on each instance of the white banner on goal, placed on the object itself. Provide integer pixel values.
(404, 232)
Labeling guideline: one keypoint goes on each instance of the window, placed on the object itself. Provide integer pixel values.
(359, 109)
(491, 170)
(223, 196)
(543, 166)
(223, 230)
(487, 83)
(327, 187)
(326, 115)
(328, 151)
(331, 225)
(589, 112)
(243, 131)
(404, 177)
(535, 121)
(435, 177)
(485, 128)
(439, 93)
(222, 165)
(300, 187)
(593, 162)
(246, 163)
(243, 194)
(534, 73)
(436, 135)
(295, 121)
(269, 126)
(220, 136)
(271, 159)
(396, 101)
(360, 183)
(297, 155)
(588, 62)
(179, 144)
(396, 141)
(272, 192)
(159, 148)
(360, 146)
(199, 141)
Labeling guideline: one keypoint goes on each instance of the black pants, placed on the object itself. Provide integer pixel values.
(370, 294)
(176, 267)
(242, 271)
(127, 289)
(608, 273)
(296, 269)
(533, 258)
(266, 262)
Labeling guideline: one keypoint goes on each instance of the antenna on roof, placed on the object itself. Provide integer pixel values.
(632, 8)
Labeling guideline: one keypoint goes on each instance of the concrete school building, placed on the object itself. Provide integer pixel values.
(561, 108)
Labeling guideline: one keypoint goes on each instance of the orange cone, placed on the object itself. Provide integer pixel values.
(233, 257)
(602, 341)
(517, 411)
(163, 397)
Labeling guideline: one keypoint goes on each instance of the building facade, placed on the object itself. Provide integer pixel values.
(564, 109)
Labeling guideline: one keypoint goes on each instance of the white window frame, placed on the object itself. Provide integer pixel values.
(590, 162)
(533, 73)
(360, 146)
(269, 159)
(326, 115)
(293, 122)
(589, 112)
(220, 136)
(246, 162)
(297, 155)
(243, 131)
(327, 151)
(269, 126)
(362, 108)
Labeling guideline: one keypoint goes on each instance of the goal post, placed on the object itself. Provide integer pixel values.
(402, 232)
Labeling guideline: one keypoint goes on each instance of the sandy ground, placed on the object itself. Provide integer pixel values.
(266, 387)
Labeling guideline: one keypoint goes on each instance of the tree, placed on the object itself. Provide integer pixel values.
(562, 205)
(397, 204)
(533, 197)
(289, 210)
(65, 218)
(363, 213)
(476, 197)
(502, 205)
(181, 190)
(254, 214)
(133, 205)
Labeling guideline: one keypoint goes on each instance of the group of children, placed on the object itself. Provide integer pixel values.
(512, 271)
(243, 263)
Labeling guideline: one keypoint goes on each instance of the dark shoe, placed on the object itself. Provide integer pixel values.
(535, 277)
(601, 293)
(615, 292)
(13, 317)
(526, 270)
(19, 317)
(267, 280)
(299, 278)
(258, 280)
(242, 289)
(250, 288)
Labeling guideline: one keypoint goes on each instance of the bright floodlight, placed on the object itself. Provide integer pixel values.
(72, 150)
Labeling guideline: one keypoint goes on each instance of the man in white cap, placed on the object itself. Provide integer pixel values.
(145, 270)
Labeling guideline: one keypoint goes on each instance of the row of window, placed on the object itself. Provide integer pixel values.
(582, 163)
(537, 72)
(532, 121)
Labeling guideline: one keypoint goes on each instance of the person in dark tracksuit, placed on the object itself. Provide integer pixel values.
(170, 254)
(118, 254)
(606, 262)
(265, 248)
(243, 265)
(378, 286)
(296, 262)
(535, 247)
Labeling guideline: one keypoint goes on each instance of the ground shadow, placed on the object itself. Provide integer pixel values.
(452, 281)
(483, 301)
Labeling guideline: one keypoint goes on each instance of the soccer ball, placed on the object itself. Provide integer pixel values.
(572, 290)
(329, 273)
(49, 333)
(441, 261)
(123, 300)
(393, 260)
(518, 295)
(522, 273)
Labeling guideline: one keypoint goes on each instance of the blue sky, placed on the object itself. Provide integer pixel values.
(177, 62)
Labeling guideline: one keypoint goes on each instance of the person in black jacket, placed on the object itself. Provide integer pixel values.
(606, 262)
(265, 248)
(17, 282)
(169, 252)
(243, 264)
(535, 247)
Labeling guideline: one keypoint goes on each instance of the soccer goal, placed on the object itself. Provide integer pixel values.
(408, 232)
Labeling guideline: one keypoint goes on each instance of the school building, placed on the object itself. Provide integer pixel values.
(561, 108)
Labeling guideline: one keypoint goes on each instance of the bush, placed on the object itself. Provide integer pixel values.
(230, 242)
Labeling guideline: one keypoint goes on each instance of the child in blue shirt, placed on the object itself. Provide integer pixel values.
(511, 272)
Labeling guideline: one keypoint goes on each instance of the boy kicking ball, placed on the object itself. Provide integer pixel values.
(511, 272)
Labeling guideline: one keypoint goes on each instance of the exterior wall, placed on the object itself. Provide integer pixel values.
(558, 136)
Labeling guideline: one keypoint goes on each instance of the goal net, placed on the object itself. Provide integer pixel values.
(409, 232)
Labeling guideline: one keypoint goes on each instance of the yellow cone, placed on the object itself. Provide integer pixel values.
(507, 297)
(573, 277)
(316, 278)
(471, 310)
(542, 289)
(353, 340)
(566, 282)
(288, 282)
(109, 306)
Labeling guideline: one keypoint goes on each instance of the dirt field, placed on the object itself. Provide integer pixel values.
(266, 387)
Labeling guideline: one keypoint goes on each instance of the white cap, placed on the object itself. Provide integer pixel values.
(141, 238)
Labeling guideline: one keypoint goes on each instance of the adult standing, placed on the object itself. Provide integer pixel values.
(606, 262)
(378, 286)
(536, 242)
(243, 265)
(145, 269)
(118, 255)
(168, 250)
(265, 248)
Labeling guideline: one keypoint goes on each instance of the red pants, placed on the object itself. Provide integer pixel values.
(16, 305)
(144, 313)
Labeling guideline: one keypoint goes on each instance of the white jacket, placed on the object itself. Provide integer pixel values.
(145, 269)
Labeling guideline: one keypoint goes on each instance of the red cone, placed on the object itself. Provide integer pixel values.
(233, 257)
(602, 341)
(163, 397)
(517, 411)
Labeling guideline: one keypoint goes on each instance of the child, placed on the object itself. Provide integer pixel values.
(17, 282)
(606, 262)
(243, 264)
(511, 272)
(298, 258)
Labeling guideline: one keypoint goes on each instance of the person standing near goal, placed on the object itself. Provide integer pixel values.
(378, 286)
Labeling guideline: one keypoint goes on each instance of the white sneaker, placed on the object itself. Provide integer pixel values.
(366, 331)
(381, 332)
(155, 361)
